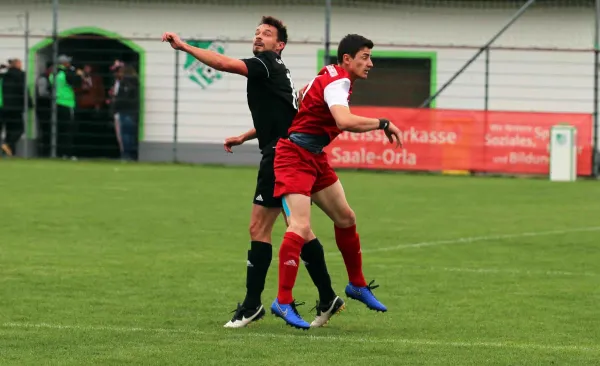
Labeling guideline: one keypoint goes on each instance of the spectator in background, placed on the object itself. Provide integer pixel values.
(90, 98)
(3, 70)
(67, 79)
(13, 96)
(43, 109)
(126, 109)
(110, 102)
(115, 69)
(91, 93)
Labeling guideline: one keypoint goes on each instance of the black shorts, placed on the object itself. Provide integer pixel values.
(265, 181)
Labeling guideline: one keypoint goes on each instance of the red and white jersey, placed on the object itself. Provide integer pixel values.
(330, 87)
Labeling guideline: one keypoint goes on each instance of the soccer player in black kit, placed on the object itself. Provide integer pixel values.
(273, 103)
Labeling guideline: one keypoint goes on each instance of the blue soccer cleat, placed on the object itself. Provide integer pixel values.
(365, 295)
(289, 314)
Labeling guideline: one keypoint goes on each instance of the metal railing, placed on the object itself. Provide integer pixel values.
(466, 77)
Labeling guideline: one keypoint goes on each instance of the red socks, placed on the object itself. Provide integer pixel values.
(348, 243)
(289, 259)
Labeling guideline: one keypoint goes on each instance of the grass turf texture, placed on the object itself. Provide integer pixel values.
(108, 263)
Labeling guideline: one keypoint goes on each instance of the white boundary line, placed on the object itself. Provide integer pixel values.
(549, 273)
(508, 271)
(415, 342)
(482, 238)
(471, 239)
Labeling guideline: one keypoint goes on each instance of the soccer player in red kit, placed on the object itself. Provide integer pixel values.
(302, 171)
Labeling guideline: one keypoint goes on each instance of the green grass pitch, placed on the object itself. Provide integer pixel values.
(109, 263)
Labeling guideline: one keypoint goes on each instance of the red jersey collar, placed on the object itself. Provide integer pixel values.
(341, 72)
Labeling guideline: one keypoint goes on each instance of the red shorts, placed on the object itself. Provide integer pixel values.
(299, 171)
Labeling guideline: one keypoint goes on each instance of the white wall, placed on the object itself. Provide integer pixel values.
(519, 80)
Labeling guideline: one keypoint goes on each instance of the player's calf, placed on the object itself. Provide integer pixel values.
(329, 303)
(298, 211)
(332, 200)
(348, 242)
(258, 263)
(313, 257)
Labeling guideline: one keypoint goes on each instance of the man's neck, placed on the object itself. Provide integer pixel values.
(350, 75)
(278, 53)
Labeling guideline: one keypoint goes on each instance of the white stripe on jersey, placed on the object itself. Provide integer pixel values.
(262, 62)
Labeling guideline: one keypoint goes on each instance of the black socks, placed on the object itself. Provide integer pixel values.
(314, 260)
(259, 260)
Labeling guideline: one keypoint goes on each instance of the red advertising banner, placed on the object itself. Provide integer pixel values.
(434, 139)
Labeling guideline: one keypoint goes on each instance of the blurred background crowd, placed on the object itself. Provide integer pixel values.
(96, 108)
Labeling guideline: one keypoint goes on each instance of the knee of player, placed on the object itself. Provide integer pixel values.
(259, 232)
(301, 228)
(346, 218)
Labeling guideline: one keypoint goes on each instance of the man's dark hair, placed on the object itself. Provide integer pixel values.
(282, 35)
(351, 44)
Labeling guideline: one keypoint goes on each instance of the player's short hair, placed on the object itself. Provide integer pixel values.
(282, 35)
(351, 44)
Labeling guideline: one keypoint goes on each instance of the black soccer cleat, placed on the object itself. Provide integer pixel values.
(326, 311)
(243, 316)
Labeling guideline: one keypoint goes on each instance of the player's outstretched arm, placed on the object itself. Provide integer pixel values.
(347, 121)
(210, 58)
(336, 96)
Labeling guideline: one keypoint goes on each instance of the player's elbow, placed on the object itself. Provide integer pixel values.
(344, 124)
(341, 126)
(342, 117)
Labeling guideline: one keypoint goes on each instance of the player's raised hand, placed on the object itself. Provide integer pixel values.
(231, 142)
(392, 132)
(173, 39)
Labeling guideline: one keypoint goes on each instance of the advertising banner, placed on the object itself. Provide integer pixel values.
(438, 140)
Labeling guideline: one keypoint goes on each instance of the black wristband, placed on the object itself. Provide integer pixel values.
(384, 124)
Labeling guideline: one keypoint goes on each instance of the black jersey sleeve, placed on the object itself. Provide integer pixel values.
(261, 65)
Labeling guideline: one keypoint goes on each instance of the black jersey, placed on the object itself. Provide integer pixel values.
(271, 97)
